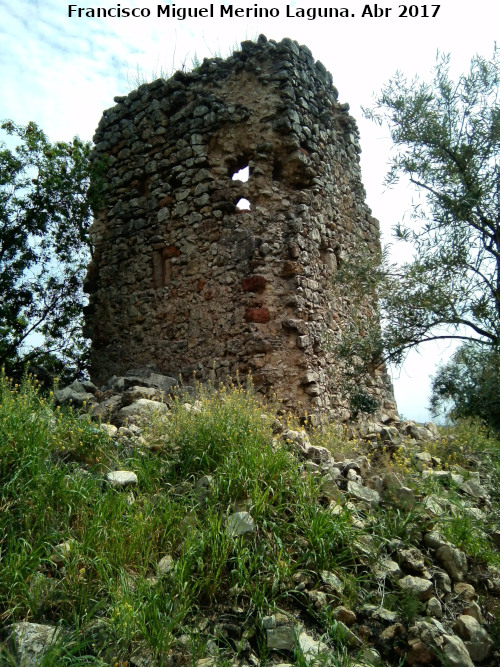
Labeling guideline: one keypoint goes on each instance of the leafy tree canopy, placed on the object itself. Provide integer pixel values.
(45, 214)
(469, 383)
(446, 137)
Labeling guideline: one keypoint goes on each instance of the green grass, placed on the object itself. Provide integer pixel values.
(106, 593)
(52, 468)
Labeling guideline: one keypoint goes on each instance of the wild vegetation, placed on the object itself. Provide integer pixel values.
(446, 141)
(153, 573)
(81, 554)
(45, 213)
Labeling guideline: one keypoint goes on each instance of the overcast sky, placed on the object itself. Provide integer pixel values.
(62, 72)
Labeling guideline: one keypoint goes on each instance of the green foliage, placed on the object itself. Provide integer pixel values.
(467, 534)
(398, 523)
(409, 607)
(52, 463)
(361, 345)
(471, 382)
(446, 135)
(107, 594)
(45, 214)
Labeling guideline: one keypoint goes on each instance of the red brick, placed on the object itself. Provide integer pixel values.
(253, 284)
(259, 315)
(171, 251)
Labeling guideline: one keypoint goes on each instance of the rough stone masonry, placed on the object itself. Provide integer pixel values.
(188, 280)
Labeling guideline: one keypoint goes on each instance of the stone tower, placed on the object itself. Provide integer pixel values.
(187, 278)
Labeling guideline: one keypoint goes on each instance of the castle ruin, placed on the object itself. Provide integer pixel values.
(197, 270)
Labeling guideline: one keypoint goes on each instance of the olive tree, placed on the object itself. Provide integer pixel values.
(469, 385)
(446, 136)
(446, 141)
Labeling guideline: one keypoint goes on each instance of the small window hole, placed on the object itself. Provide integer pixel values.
(243, 205)
(241, 175)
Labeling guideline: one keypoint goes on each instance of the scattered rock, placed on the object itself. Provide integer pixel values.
(474, 610)
(318, 599)
(455, 652)
(391, 633)
(348, 636)
(369, 657)
(165, 565)
(465, 591)
(332, 581)
(453, 560)
(393, 481)
(281, 632)
(363, 493)
(432, 428)
(412, 559)
(420, 588)
(192, 407)
(75, 394)
(30, 641)
(125, 432)
(282, 638)
(329, 488)
(442, 581)
(143, 657)
(140, 411)
(301, 579)
(405, 496)
(361, 466)
(440, 475)
(427, 640)
(269, 622)
(418, 432)
(61, 552)
(299, 440)
(240, 523)
(477, 641)
(380, 613)
(310, 647)
(419, 653)
(386, 567)
(202, 487)
(146, 377)
(434, 540)
(375, 482)
(434, 608)
(121, 478)
(136, 393)
(423, 460)
(435, 505)
(109, 429)
(474, 489)
(318, 454)
(475, 513)
(206, 662)
(344, 615)
(107, 408)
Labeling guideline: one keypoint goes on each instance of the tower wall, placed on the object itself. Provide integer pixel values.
(181, 278)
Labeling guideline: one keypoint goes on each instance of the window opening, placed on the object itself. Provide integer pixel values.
(243, 205)
(241, 175)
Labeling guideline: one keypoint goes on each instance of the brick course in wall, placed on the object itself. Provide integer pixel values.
(184, 280)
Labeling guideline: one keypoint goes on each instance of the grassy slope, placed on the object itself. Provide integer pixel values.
(106, 592)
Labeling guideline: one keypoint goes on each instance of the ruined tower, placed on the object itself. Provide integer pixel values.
(187, 278)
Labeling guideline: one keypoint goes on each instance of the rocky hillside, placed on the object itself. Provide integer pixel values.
(158, 525)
